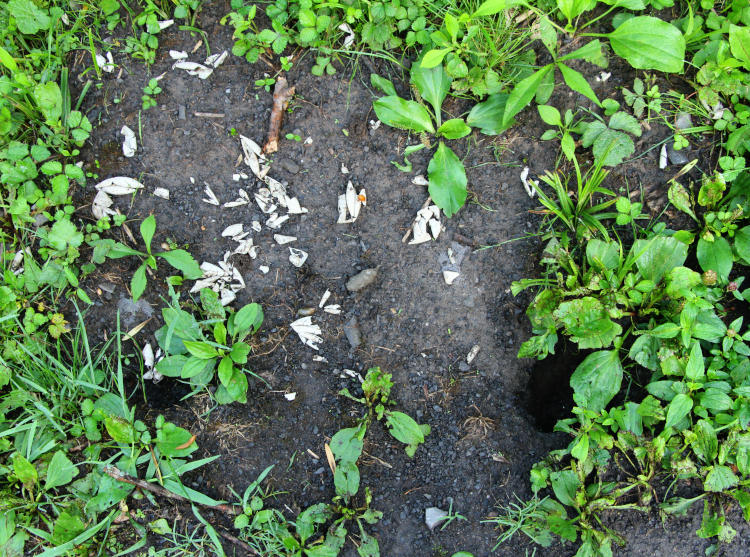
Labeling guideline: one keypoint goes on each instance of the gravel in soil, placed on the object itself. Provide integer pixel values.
(410, 322)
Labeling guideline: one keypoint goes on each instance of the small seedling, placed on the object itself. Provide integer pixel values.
(265, 83)
(149, 92)
(293, 137)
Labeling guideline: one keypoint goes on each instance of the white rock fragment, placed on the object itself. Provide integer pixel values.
(663, 157)
(223, 278)
(530, 191)
(297, 257)
(100, 206)
(232, 230)
(192, 180)
(603, 77)
(472, 354)
(281, 239)
(450, 276)
(264, 269)
(119, 185)
(293, 207)
(324, 298)
(162, 192)
(129, 144)
(334, 309)
(290, 396)
(420, 180)
(210, 198)
(246, 247)
(216, 60)
(178, 55)
(193, 68)
(308, 332)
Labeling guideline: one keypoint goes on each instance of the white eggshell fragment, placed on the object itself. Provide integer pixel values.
(119, 185)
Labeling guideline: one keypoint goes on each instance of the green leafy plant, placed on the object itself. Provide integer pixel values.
(610, 141)
(149, 92)
(179, 258)
(550, 115)
(644, 97)
(218, 346)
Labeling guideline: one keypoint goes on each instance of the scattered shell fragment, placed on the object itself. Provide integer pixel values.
(334, 309)
(100, 207)
(293, 207)
(375, 124)
(361, 280)
(420, 180)
(290, 396)
(450, 263)
(162, 192)
(119, 185)
(434, 517)
(105, 64)
(663, 157)
(243, 199)
(530, 191)
(216, 60)
(344, 169)
(210, 198)
(297, 257)
(427, 224)
(149, 361)
(129, 144)
(603, 76)
(178, 54)
(193, 68)
(164, 24)
(349, 39)
(308, 332)
(308, 141)
(223, 278)
(255, 225)
(264, 269)
(233, 230)
(324, 298)
(281, 239)
(350, 204)
(275, 221)
(319, 358)
(472, 354)
(246, 247)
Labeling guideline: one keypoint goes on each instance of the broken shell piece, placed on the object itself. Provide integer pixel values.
(290, 396)
(275, 221)
(215, 60)
(211, 198)
(663, 157)
(164, 24)
(308, 333)
(100, 207)
(450, 276)
(324, 298)
(263, 199)
(334, 309)
(162, 192)
(119, 185)
(293, 207)
(281, 239)
(129, 144)
(246, 247)
(308, 141)
(350, 203)
(232, 230)
(434, 517)
(255, 225)
(264, 269)
(349, 39)
(297, 257)
(426, 225)
(375, 124)
(344, 169)
(178, 54)
(420, 180)
(319, 358)
(603, 76)
(472, 354)
(105, 64)
(530, 191)
(148, 356)
(193, 68)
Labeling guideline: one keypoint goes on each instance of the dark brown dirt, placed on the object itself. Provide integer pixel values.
(413, 325)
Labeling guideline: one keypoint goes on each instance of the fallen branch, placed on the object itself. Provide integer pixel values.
(282, 94)
(236, 541)
(160, 491)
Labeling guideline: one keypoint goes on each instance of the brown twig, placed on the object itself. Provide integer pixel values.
(160, 491)
(282, 94)
(236, 541)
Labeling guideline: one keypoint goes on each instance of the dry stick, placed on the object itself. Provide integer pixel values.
(282, 94)
(158, 490)
(229, 537)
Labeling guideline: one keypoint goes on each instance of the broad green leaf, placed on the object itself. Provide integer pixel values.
(602, 255)
(578, 83)
(433, 58)
(183, 262)
(119, 429)
(522, 94)
(305, 523)
(739, 43)
(148, 227)
(720, 478)
(587, 322)
(679, 506)
(571, 9)
(612, 147)
(239, 352)
(49, 100)
(24, 470)
(9, 62)
(225, 370)
(678, 408)
(742, 243)
(200, 349)
(454, 129)
(681, 281)
(29, 18)
(402, 114)
(368, 546)
(195, 366)
(447, 179)
(211, 304)
(382, 84)
(715, 256)
(346, 479)
(657, 255)
(171, 366)
(545, 89)
(237, 385)
(597, 380)
(60, 471)
(705, 444)
(648, 43)
(488, 116)
(680, 198)
(403, 428)
(433, 85)
(250, 316)
(695, 369)
(490, 7)
(565, 484)
(591, 52)
(625, 122)
(169, 437)
(138, 282)
(120, 250)
(549, 115)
